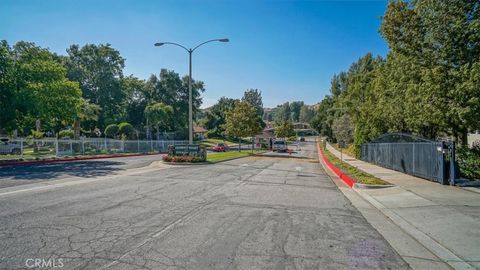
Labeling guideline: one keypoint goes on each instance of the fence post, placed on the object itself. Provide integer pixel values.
(21, 147)
(56, 147)
(138, 146)
(151, 145)
(413, 159)
(83, 146)
(71, 147)
(442, 168)
(452, 164)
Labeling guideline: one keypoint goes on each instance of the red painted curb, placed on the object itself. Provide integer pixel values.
(345, 178)
(33, 162)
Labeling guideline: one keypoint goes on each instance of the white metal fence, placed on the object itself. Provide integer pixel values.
(87, 146)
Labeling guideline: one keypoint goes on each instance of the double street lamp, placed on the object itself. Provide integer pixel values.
(190, 51)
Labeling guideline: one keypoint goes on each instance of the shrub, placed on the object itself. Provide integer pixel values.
(213, 134)
(67, 133)
(111, 130)
(37, 134)
(469, 161)
(125, 129)
(181, 159)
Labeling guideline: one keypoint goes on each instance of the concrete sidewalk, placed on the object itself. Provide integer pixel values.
(444, 219)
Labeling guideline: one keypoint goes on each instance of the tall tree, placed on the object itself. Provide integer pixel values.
(283, 113)
(8, 98)
(284, 130)
(159, 116)
(215, 117)
(254, 97)
(243, 121)
(322, 120)
(98, 69)
(87, 112)
(43, 92)
(306, 114)
(135, 101)
(172, 90)
(295, 108)
(442, 38)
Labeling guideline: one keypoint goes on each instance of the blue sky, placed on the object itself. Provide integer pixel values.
(287, 49)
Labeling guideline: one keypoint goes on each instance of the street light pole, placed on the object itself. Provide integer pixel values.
(190, 96)
(190, 100)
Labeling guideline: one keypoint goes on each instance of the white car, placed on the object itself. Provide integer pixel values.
(279, 146)
(9, 148)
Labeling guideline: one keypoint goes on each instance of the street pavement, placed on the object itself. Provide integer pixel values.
(29, 174)
(271, 212)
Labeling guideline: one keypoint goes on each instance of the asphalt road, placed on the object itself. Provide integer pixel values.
(21, 175)
(272, 212)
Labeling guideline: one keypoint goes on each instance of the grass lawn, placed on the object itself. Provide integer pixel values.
(358, 175)
(348, 150)
(212, 142)
(221, 156)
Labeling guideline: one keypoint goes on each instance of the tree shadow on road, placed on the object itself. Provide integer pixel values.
(52, 171)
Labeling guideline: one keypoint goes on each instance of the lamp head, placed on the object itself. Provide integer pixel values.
(224, 40)
(158, 44)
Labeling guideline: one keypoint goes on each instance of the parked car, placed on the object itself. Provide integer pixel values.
(9, 148)
(220, 147)
(301, 139)
(279, 146)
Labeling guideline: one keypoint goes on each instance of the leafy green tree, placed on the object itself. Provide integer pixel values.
(242, 121)
(215, 116)
(306, 114)
(42, 89)
(254, 97)
(125, 129)
(172, 90)
(283, 113)
(112, 130)
(338, 84)
(134, 102)
(343, 129)
(87, 112)
(284, 130)
(442, 40)
(295, 108)
(322, 120)
(98, 69)
(160, 116)
(8, 97)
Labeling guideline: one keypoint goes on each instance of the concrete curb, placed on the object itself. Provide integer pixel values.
(61, 160)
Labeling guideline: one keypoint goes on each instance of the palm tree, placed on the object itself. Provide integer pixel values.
(88, 112)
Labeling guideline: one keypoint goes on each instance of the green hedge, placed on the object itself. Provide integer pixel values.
(469, 161)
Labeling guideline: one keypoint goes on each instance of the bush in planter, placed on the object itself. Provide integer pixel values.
(181, 159)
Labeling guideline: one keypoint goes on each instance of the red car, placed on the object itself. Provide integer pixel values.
(220, 148)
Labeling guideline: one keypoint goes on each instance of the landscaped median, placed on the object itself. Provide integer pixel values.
(349, 174)
(211, 157)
